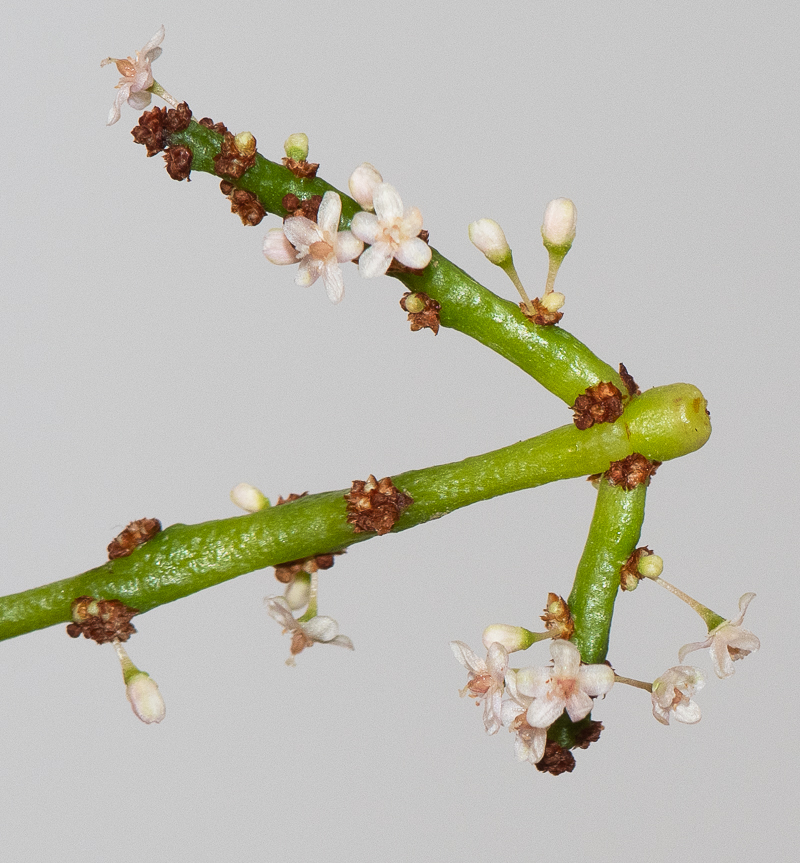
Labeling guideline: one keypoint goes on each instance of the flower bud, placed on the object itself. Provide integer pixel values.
(558, 227)
(362, 184)
(245, 143)
(552, 301)
(248, 497)
(414, 304)
(511, 637)
(298, 591)
(650, 566)
(145, 699)
(488, 237)
(296, 146)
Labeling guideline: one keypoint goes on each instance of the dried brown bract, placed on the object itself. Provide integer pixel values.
(590, 734)
(303, 170)
(155, 125)
(135, 534)
(231, 161)
(179, 162)
(101, 620)
(631, 471)
(286, 572)
(291, 497)
(601, 403)
(630, 383)
(557, 617)
(629, 575)
(246, 206)
(556, 759)
(374, 505)
(308, 207)
(215, 127)
(541, 315)
(427, 314)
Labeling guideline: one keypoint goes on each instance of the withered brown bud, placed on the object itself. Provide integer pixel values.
(630, 383)
(588, 735)
(230, 161)
(285, 572)
(101, 620)
(179, 162)
(215, 127)
(150, 132)
(135, 534)
(556, 759)
(631, 471)
(541, 315)
(308, 207)
(601, 403)
(629, 575)
(428, 317)
(303, 170)
(247, 207)
(374, 505)
(557, 617)
(226, 187)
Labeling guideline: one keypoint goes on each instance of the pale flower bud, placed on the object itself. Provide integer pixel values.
(298, 591)
(245, 143)
(552, 301)
(511, 637)
(650, 566)
(248, 497)
(414, 304)
(488, 237)
(558, 227)
(145, 699)
(296, 146)
(362, 184)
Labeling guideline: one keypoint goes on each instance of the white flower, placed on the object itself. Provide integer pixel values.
(486, 680)
(319, 246)
(567, 685)
(728, 642)
(530, 742)
(362, 184)
(558, 226)
(391, 232)
(321, 628)
(137, 77)
(672, 694)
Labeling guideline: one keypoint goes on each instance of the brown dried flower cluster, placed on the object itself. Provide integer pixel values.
(157, 124)
(556, 760)
(627, 379)
(374, 505)
(135, 534)
(101, 620)
(286, 572)
(557, 617)
(541, 315)
(629, 575)
(631, 471)
(308, 207)
(179, 162)
(303, 170)
(243, 203)
(601, 403)
(423, 311)
(231, 161)
(215, 127)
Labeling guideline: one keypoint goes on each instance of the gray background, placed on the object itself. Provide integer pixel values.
(151, 359)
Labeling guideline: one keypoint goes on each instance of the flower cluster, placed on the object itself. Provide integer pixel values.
(536, 697)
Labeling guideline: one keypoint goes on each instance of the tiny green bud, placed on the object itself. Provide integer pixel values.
(415, 304)
(296, 146)
(650, 566)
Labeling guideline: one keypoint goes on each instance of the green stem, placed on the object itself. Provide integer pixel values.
(186, 558)
(553, 357)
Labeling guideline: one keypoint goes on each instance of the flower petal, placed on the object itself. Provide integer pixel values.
(467, 657)
(414, 253)
(333, 280)
(566, 657)
(347, 246)
(329, 212)
(387, 202)
(595, 680)
(543, 712)
(366, 227)
(375, 260)
(277, 248)
(302, 232)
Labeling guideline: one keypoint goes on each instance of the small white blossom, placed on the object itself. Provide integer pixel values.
(362, 184)
(530, 742)
(137, 77)
(728, 642)
(392, 232)
(486, 680)
(322, 629)
(319, 246)
(567, 685)
(672, 694)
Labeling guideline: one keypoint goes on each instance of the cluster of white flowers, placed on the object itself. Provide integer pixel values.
(536, 697)
(391, 231)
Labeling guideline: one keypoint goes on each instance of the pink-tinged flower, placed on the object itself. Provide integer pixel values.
(137, 77)
(728, 642)
(672, 694)
(391, 232)
(322, 629)
(567, 685)
(530, 742)
(319, 246)
(486, 680)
